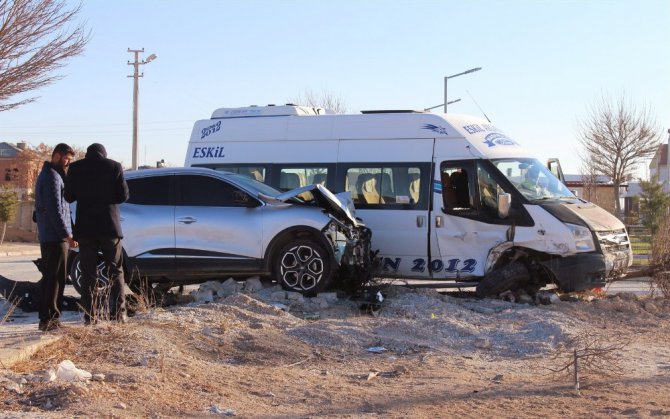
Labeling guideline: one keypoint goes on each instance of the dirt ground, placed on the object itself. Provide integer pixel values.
(421, 355)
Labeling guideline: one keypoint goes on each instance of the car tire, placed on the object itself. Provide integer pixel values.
(304, 266)
(503, 279)
(75, 274)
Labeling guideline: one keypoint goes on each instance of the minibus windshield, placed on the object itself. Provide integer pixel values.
(533, 179)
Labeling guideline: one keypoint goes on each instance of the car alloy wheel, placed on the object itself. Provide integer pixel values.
(102, 279)
(303, 266)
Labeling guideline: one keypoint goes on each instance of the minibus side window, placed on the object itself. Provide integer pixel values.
(295, 177)
(471, 189)
(384, 187)
(457, 190)
(489, 190)
(253, 171)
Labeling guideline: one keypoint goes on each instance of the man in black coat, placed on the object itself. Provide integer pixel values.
(98, 186)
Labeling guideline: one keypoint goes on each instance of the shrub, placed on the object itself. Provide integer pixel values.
(660, 258)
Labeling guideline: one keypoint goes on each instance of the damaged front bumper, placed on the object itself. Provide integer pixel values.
(578, 272)
(586, 271)
(352, 251)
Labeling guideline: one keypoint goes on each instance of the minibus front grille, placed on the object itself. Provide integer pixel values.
(614, 241)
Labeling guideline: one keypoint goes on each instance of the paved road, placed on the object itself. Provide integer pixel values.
(639, 286)
(22, 268)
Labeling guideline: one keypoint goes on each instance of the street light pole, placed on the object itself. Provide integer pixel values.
(446, 102)
(136, 75)
(441, 105)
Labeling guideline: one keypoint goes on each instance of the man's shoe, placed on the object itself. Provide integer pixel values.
(48, 326)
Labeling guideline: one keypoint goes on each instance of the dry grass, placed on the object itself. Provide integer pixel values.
(246, 355)
(9, 306)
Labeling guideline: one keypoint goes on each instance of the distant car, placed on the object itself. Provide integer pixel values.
(188, 225)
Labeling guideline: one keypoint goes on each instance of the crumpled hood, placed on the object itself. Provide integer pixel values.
(340, 205)
(583, 213)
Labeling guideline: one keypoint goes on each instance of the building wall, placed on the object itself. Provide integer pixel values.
(603, 196)
(659, 167)
(19, 173)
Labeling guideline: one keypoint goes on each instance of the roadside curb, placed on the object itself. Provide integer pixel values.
(20, 339)
(19, 253)
(20, 348)
(20, 250)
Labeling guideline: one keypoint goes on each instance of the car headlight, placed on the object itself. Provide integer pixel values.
(583, 238)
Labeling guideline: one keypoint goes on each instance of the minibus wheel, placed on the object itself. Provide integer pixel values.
(303, 265)
(502, 279)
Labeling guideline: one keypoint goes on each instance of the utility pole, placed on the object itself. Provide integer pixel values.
(136, 75)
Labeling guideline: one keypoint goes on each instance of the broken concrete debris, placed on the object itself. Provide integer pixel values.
(311, 307)
(253, 284)
(10, 385)
(218, 411)
(67, 371)
(547, 297)
(210, 290)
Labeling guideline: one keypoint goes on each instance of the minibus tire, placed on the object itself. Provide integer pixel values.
(303, 265)
(503, 279)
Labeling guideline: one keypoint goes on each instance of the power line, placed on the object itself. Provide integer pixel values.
(98, 125)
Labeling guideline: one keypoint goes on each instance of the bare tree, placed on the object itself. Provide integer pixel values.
(617, 136)
(591, 353)
(589, 179)
(37, 37)
(326, 100)
(31, 159)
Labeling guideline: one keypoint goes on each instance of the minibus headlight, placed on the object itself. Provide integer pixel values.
(583, 238)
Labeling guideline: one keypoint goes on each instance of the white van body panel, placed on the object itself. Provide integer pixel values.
(549, 235)
(464, 246)
(403, 232)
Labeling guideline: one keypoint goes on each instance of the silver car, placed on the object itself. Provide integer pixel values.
(189, 225)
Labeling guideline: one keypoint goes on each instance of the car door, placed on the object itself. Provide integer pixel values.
(465, 216)
(215, 232)
(147, 221)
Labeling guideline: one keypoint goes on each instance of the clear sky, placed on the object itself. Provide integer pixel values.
(544, 63)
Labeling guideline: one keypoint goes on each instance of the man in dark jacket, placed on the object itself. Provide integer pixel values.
(54, 226)
(98, 186)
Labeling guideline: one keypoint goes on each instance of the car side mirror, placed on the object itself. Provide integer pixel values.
(504, 204)
(243, 199)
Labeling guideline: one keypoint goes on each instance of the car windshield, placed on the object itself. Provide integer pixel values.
(533, 179)
(252, 185)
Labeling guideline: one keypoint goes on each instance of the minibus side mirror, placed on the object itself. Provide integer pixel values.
(504, 204)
